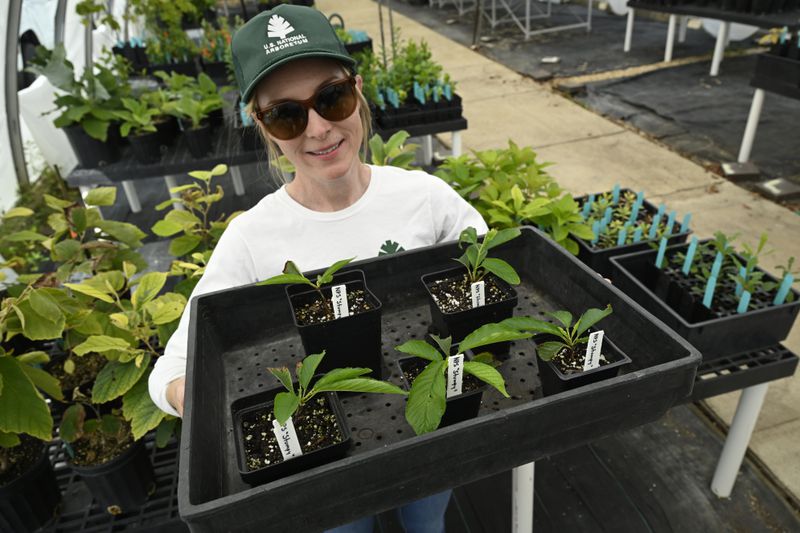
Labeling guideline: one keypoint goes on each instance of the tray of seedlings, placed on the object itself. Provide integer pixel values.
(338, 388)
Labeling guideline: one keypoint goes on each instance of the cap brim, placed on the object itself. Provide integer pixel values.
(301, 55)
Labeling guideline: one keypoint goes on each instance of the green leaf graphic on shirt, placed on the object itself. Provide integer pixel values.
(390, 247)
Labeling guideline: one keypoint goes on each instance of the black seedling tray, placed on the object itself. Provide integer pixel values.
(236, 334)
(636, 275)
(598, 259)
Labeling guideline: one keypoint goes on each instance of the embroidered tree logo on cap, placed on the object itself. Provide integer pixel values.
(278, 27)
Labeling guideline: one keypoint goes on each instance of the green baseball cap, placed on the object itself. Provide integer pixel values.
(280, 35)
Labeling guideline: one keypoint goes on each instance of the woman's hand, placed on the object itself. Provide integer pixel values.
(175, 394)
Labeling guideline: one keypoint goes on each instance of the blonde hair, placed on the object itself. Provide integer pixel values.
(274, 151)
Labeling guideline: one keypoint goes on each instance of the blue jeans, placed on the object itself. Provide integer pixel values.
(422, 516)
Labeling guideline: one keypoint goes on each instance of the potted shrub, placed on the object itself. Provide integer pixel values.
(199, 108)
(394, 151)
(347, 328)
(566, 353)
(138, 118)
(622, 221)
(310, 407)
(713, 296)
(88, 104)
(456, 308)
(438, 395)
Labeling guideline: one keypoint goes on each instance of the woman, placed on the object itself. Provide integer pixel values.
(299, 84)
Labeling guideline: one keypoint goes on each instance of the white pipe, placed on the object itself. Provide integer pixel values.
(719, 48)
(670, 38)
(628, 31)
(132, 196)
(522, 496)
(236, 178)
(752, 126)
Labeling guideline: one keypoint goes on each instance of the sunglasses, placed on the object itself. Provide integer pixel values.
(287, 119)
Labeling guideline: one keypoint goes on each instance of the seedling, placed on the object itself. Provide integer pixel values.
(475, 258)
(427, 398)
(292, 274)
(569, 335)
(336, 380)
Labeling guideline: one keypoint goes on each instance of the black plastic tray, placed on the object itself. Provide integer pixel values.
(716, 337)
(776, 74)
(235, 334)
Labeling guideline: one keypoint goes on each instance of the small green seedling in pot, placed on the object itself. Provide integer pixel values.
(569, 335)
(336, 380)
(475, 258)
(292, 274)
(427, 397)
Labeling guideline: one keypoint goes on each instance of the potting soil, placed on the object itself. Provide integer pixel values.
(570, 361)
(14, 462)
(96, 448)
(414, 368)
(320, 311)
(454, 294)
(314, 422)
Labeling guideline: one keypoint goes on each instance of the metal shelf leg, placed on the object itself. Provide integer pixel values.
(670, 38)
(456, 143)
(522, 493)
(730, 460)
(719, 48)
(628, 31)
(236, 178)
(684, 25)
(132, 196)
(427, 149)
(752, 126)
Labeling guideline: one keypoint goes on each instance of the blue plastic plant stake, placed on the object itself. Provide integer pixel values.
(634, 213)
(437, 89)
(662, 248)
(685, 224)
(623, 235)
(596, 230)
(783, 290)
(654, 226)
(715, 268)
(419, 94)
(743, 275)
(687, 263)
(637, 235)
(587, 206)
(670, 223)
(393, 98)
(615, 194)
(607, 215)
(448, 91)
(639, 198)
(603, 225)
(744, 302)
(661, 209)
(709, 294)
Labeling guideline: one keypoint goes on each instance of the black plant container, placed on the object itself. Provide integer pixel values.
(198, 140)
(216, 118)
(250, 140)
(264, 401)
(216, 70)
(353, 341)
(122, 484)
(598, 259)
(90, 152)
(714, 336)
(461, 323)
(459, 408)
(354, 48)
(555, 381)
(147, 147)
(168, 131)
(31, 501)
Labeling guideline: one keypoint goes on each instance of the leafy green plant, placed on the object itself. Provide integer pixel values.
(138, 117)
(336, 380)
(427, 397)
(475, 257)
(292, 274)
(193, 100)
(394, 152)
(569, 336)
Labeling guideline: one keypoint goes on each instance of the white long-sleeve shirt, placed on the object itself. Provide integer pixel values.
(400, 210)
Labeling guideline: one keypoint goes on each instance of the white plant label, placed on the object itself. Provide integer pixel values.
(455, 374)
(339, 296)
(287, 439)
(593, 347)
(478, 294)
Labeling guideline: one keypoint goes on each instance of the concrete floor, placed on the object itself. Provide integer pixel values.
(592, 153)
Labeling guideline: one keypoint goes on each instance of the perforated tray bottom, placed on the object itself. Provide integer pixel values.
(378, 419)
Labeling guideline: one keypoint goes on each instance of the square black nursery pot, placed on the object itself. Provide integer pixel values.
(599, 259)
(237, 333)
(459, 324)
(714, 336)
(555, 381)
(263, 401)
(353, 341)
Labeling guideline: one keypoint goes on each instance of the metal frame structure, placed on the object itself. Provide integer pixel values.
(12, 102)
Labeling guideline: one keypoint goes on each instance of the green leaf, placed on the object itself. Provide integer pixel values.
(15, 212)
(166, 228)
(164, 430)
(340, 374)
(291, 268)
(8, 440)
(501, 269)
(487, 374)
(327, 276)
(90, 290)
(24, 235)
(37, 327)
(97, 129)
(444, 344)
(590, 318)
(166, 308)
(101, 344)
(565, 317)
(148, 288)
(45, 306)
(502, 237)
(123, 232)
(420, 349)
(138, 408)
(44, 381)
(56, 203)
(468, 236)
(361, 385)
(426, 400)
(527, 323)
(283, 376)
(184, 245)
(67, 250)
(548, 350)
(101, 196)
(185, 219)
(308, 367)
(115, 379)
(490, 334)
(71, 427)
(282, 279)
(33, 358)
(22, 407)
(286, 404)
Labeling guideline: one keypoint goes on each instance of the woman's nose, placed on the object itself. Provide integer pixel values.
(317, 127)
